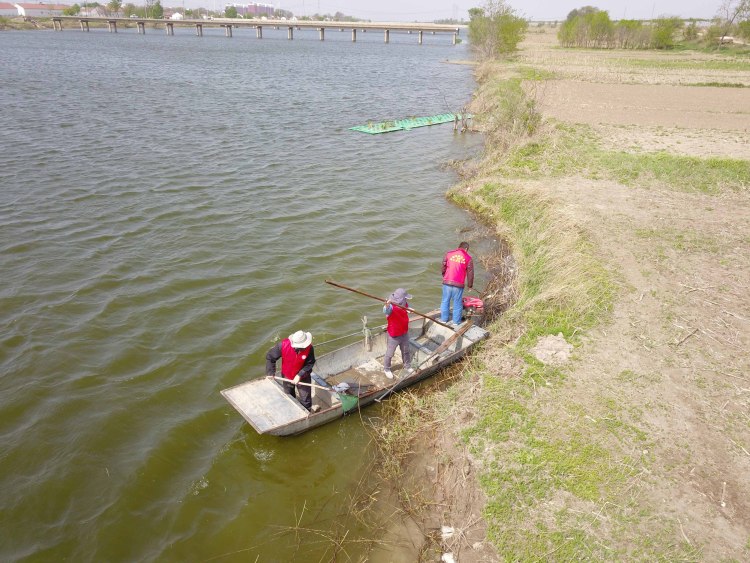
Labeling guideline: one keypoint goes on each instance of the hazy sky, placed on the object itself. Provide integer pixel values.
(427, 10)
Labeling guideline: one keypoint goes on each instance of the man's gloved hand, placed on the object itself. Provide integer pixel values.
(296, 379)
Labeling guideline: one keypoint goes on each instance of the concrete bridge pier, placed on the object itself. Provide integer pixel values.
(56, 24)
(455, 38)
(84, 25)
(259, 32)
(420, 36)
(387, 35)
(170, 28)
(322, 31)
(354, 35)
(199, 29)
(112, 26)
(141, 27)
(290, 33)
(228, 30)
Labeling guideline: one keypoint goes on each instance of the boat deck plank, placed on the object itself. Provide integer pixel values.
(264, 404)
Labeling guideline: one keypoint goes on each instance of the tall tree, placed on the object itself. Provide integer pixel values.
(157, 11)
(731, 11)
(114, 6)
(495, 30)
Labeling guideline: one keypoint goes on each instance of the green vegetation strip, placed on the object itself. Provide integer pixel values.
(717, 84)
(571, 151)
(688, 64)
(406, 124)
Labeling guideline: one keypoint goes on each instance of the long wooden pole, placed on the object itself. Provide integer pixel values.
(409, 309)
(302, 383)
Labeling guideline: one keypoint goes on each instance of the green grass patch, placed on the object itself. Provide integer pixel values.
(540, 461)
(687, 64)
(532, 73)
(539, 374)
(571, 151)
(716, 84)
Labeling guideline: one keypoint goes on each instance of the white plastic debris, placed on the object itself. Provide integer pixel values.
(447, 532)
(448, 558)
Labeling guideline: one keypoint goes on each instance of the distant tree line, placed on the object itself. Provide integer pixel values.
(590, 27)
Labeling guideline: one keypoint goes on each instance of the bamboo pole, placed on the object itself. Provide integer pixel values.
(409, 309)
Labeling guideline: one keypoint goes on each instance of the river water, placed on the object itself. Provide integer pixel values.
(169, 207)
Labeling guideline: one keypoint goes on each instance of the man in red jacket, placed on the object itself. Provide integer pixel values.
(458, 269)
(398, 330)
(297, 358)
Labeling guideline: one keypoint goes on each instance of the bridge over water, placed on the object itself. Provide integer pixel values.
(228, 24)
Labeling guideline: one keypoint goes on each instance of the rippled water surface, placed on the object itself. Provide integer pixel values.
(169, 206)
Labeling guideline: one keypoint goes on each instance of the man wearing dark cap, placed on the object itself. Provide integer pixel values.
(398, 330)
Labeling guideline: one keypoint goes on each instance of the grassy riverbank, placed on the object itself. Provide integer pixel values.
(604, 418)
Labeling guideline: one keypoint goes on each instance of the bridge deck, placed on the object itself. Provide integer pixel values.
(299, 24)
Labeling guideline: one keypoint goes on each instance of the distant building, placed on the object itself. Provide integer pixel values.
(8, 10)
(253, 9)
(40, 10)
(95, 12)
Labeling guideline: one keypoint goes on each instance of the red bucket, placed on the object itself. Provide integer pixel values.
(473, 304)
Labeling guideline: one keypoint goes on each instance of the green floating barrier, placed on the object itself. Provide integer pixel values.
(406, 124)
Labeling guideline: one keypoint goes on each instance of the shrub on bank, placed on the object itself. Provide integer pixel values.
(495, 30)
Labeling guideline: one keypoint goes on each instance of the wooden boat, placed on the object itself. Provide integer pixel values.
(351, 377)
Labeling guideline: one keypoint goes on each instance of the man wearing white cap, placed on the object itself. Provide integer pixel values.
(398, 330)
(297, 358)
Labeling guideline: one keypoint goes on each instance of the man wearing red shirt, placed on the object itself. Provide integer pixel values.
(297, 358)
(458, 269)
(398, 330)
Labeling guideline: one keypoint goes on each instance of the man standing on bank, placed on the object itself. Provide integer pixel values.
(458, 269)
(297, 358)
(398, 330)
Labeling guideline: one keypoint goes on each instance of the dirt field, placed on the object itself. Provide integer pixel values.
(677, 350)
(638, 100)
(674, 359)
(681, 329)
